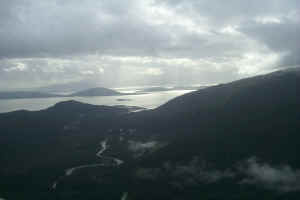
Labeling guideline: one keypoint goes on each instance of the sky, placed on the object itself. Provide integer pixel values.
(119, 43)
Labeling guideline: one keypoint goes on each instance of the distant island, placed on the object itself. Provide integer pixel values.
(99, 91)
(26, 95)
(123, 99)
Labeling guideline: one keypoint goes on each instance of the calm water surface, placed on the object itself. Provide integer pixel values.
(150, 101)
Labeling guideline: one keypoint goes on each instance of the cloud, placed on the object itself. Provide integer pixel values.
(234, 11)
(137, 146)
(140, 148)
(184, 175)
(272, 25)
(282, 38)
(18, 67)
(55, 28)
(148, 173)
(196, 172)
(88, 72)
(153, 72)
(145, 42)
(281, 178)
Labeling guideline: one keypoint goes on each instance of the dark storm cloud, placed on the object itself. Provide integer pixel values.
(57, 28)
(280, 37)
(145, 42)
(232, 11)
(278, 29)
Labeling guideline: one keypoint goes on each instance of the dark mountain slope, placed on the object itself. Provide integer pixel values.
(36, 147)
(244, 134)
(267, 90)
(232, 141)
(252, 117)
(255, 95)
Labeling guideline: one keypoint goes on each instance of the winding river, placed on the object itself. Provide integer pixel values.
(104, 147)
(124, 196)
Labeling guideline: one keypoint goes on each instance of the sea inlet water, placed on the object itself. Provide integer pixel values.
(148, 101)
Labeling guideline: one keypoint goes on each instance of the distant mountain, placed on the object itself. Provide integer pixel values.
(232, 141)
(84, 93)
(26, 94)
(99, 91)
(67, 87)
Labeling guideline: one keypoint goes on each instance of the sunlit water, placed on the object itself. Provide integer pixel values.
(149, 101)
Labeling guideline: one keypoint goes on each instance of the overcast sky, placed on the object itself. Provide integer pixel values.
(116, 43)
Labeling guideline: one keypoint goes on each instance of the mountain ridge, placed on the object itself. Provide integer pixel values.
(99, 91)
(236, 141)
